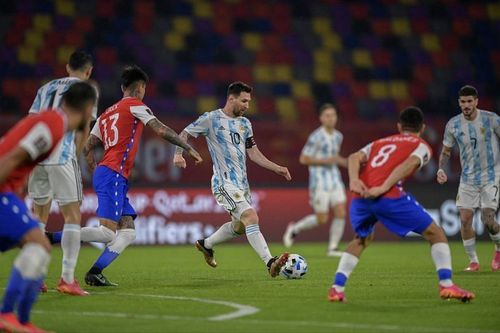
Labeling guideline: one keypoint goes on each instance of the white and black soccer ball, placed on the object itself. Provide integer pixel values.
(295, 267)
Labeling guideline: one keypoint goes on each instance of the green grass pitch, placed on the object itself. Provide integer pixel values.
(171, 289)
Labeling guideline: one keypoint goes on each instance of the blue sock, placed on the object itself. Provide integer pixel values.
(54, 237)
(106, 258)
(14, 291)
(444, 274)
(28, 299)
(340, 279)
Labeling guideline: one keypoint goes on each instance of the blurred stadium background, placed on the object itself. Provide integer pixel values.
(369, 58)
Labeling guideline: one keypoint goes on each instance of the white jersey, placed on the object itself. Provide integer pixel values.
(49, 96)
(323, 145)
(479, 146)
(227, 140)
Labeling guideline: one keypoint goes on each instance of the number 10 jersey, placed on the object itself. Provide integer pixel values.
(120, 128)
(227, 140)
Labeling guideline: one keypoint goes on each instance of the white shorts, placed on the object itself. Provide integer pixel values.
(321, 201)
(234, 200)
(478, 196)
(63, 183)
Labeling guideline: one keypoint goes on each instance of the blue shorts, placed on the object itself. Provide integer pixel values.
(400, 216)
(15, 221)
(111, 189)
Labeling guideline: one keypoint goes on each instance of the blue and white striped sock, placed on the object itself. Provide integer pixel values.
(257, 241)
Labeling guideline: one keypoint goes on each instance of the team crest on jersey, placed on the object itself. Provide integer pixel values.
(483, 130)
(237, 196)
(242, 128)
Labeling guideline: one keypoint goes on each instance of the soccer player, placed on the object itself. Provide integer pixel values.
(59, 177)
(229, 138)
(477, 134)
(326, 189)
(21, 149)
(376, 173)
(119, 129)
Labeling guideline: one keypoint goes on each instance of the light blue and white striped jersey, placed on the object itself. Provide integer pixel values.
(479, 145)
(226, 139)
(49, 96)
(322, 144)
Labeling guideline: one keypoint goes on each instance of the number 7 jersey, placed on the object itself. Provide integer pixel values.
(386, 154)
(120, 128)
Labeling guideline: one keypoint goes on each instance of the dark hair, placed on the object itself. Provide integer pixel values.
(132, 74)
(79, 60)
(467, 91)
(78, 95)
(237, 87)
(326, 106)
(411, 119)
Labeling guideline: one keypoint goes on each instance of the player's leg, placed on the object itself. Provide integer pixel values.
(30, 265)
(468, 199)
(66, 184)
(337, 200)
(489, 219)
(226, 232)
(490, 196)
(250, 220)
(40, 192)
(125, 235)
(319, 203)
(441, 256)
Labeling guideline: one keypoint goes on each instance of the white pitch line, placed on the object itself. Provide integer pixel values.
(293, 323)
(241, 309)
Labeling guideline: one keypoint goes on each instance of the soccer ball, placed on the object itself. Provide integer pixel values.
(295, 267)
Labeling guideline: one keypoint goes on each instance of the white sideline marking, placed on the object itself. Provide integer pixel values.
(293, 323)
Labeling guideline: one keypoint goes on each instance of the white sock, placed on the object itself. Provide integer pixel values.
(470, 249)
(99, 234)
(32, 261)
(336, 232)
(347, 264)
(496, 239)
(70, 244)
(441, 256)
(306, 223)
(124, 237)
(257, 241)
(223, 234)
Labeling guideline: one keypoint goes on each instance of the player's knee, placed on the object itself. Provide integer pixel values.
(322, 218)
(108, 234)
(129, 235)
(249, 217)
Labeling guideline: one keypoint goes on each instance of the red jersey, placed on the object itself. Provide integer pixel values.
(120, 128)
(385, 154)
(38, 134)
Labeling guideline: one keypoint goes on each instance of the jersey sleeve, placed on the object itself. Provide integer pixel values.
(200, 126)
(449, 138)
(143, 113)
(249, 139)
(94, 110)
(367, 149)
(496, 124)
(423, 152)
(37, 141)
(310, 146)
(96, 130)
(37, 103)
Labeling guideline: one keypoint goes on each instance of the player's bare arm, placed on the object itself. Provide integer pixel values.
(88, 151)
(257, 157)
(171, 136)
(179, 160)
(402, 171)
(444, 157)
(337, 160)
(354, 163)
(11, 161)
